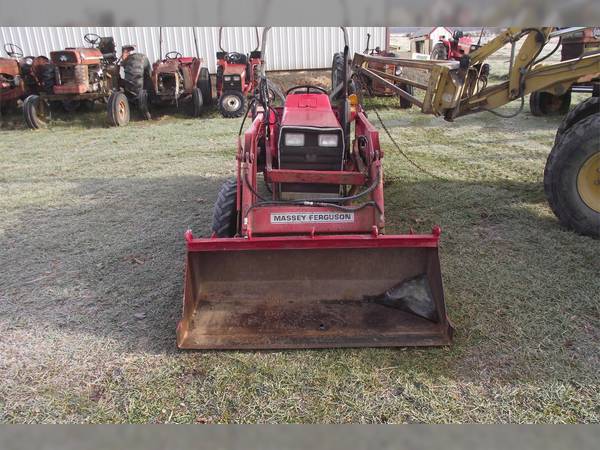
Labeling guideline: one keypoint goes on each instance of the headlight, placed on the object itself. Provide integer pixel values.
(28, 61)
(398, 71)
(236, 77)
(328, 140)
(227, 78)
(294, 139)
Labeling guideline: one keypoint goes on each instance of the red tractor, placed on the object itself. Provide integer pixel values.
(20, 76)
(371, 86)
(237, 77)
(298, 256)
(453, 48)
(174, 80)
(82, 76)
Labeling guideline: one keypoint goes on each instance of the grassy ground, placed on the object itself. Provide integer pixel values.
(91, 251)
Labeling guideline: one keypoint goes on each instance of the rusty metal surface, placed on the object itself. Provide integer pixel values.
(306, 299)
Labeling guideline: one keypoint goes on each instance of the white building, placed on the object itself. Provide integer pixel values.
(423, 40)
(288, 48)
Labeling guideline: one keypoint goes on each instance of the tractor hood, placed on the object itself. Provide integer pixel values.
(76, 56)
(308, 110)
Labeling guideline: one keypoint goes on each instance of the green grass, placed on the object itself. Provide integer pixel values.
(91, 233)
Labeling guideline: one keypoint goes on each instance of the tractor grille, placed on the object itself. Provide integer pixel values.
(311, 156)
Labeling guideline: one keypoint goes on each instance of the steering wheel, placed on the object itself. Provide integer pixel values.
(173, 55)
(308, 88)
(92, 38)
(13, 50)
(234, 57)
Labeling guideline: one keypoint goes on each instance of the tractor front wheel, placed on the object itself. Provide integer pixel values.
(143, 104)
(34, 112)
(197, 103)
(205, 86)
(406, 104)
(546, 104)
(232, 104)
(572, 177)
(225, 213)
(440, 52)
(118, 109)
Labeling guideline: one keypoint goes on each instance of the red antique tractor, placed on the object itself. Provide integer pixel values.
(237, 77)
(298, 256)
(174, 80)
(82, 76)
(373, 87)
(20, 76)
(452, 48)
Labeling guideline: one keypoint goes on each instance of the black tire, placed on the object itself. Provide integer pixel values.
(573, 206)
(405, 104)
(439, 52)
(47, 78)
(205, 86)
(118, 109)
(337, 70)
(580, 112)
(136, 72)
(232, 104)
(33, 112)
(196, 103)
(143, 104)
(547, 104)
(225, 212)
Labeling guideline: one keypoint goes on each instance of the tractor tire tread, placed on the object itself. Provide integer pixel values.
(560, 191)
(224, 222)
(581, 111)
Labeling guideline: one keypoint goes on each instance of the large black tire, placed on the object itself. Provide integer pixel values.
(572, 177)
(337, 70)
(118, 109)
(136, 72)
(196, 103)
(439, 51)
(47, 78)
(144, 104)
(205, 86)
(580, 112)
(33, 112)
(547, 104)
(405, 104)
(225, 212)
(232, 104)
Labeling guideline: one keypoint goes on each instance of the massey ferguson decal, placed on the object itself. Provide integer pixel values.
(302, 217)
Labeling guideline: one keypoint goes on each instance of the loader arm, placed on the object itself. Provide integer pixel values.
(456, 88)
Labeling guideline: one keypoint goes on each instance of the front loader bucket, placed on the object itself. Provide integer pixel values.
(313, 292)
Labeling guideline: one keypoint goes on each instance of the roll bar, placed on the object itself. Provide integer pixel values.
(221, 36)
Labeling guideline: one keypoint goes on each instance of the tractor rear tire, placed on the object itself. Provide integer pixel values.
(205, 86)
(197, 103)
(118, 109)
(580, 112)
(33, 112)
(572, 177)
(405, 104)
(232, 104)
(47, 75)
(225, 212)
(439, 52)
(136, 69)
(547, 104)
(143, 104)
(337, 70)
